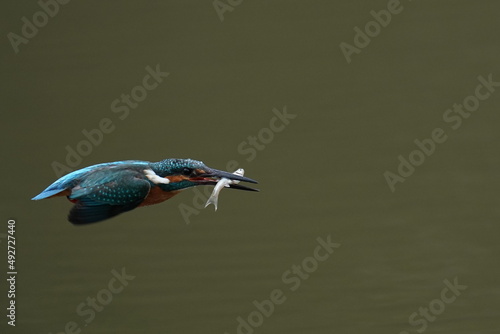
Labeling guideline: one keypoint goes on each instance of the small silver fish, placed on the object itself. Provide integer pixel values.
(223, 183)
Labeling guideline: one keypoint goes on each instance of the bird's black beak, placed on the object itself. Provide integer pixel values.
(220, 174)
(212, 176)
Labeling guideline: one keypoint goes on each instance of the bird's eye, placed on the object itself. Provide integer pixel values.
(187, 171)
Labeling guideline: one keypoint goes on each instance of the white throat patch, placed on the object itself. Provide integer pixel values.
(153, 177)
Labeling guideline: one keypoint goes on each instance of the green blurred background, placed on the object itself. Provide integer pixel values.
(322, 175)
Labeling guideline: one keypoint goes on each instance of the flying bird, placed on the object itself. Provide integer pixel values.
(105, 190)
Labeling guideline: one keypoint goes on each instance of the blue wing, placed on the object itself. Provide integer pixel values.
(103, 195)
(70, 180)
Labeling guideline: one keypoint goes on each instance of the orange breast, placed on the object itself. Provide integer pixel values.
(156, 195)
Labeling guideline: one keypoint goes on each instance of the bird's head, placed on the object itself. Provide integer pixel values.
(186, 173)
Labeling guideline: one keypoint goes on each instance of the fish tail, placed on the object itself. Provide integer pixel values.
(212, 200)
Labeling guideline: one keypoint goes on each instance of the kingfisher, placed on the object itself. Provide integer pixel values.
(108, 189)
